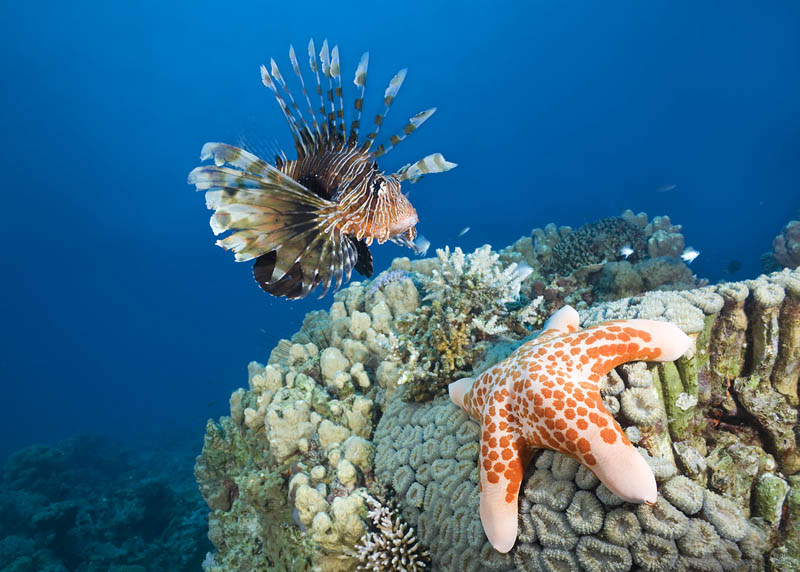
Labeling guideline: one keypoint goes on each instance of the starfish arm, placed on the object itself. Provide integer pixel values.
(503, 458)
(599, 349)
(564, 321)
(461, 393)
(606, 450)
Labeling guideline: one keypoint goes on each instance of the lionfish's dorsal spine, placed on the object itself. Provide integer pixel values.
(305, 130)
(388, 99)
(293, 126)
(337, 75)
(433, 163)
(360, 81)
(409, 128)
(331, 131)
(296, 67)
(314, 65)
(325, 58)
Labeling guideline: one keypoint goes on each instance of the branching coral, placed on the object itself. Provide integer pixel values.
(392, 545)
(471, 299)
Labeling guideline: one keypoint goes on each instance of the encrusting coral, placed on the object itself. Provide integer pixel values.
(331, 417)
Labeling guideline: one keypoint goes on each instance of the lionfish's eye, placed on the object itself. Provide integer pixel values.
(377, 184)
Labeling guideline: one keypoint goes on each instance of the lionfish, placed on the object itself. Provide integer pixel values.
(310, 221)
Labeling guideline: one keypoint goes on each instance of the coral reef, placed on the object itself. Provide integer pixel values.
(726, 470)
(392, 545)
(88, 504)
(473, 299)
(586, 266)
(352, 404)
(786, 246)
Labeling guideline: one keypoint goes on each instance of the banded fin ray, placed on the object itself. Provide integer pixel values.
(294, 127)
(314, 65)
(336, 73)
(407, 129)
(433, 163)
(388, 98)
(299, 74)
(303, 128)
(325, 58)
(360, 81)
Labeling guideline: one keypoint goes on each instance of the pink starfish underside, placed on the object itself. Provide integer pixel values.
(547, 395)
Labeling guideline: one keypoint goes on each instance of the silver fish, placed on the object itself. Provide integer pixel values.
(689, 254)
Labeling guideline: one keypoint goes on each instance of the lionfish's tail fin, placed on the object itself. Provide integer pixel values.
(434, 163)
(294, 126)
(360, 81)
(388, 99)
(299, 74)
(314, 65)
(409, 128)
(289, 230)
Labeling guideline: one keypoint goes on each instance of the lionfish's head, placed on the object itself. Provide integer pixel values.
(394, 214)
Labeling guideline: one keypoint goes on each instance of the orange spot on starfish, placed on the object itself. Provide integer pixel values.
(609, 435)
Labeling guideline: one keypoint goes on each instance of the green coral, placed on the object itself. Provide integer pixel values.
(250, 522)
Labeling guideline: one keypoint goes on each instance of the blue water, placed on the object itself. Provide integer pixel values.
(121, 317)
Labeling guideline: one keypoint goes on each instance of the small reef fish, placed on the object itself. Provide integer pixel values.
(523, 270)
(309, 222)
(689, 254)
(464, 231)
(666, 188)
(421, 245)
(625, 251)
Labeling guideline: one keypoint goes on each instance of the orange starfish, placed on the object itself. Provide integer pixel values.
(547, 394)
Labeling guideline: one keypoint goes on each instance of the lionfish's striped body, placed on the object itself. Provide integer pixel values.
(310, 221)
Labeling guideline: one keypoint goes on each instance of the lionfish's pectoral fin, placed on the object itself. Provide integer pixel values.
(277, 221)
(434, 163)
